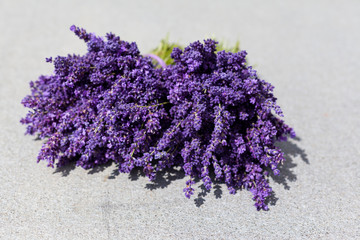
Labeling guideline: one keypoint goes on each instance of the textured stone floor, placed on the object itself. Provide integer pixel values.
(309, 50)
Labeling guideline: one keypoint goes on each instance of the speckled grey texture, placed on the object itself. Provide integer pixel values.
(309, 50)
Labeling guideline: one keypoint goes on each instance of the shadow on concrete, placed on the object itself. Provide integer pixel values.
(99, 168)
(291, 150)
(65, 170)
(216, 188)
(165, 177)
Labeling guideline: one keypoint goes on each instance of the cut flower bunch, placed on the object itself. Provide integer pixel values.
(207, 112)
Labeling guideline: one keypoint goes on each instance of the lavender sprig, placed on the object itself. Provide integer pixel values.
(222, 119)
(207, 111)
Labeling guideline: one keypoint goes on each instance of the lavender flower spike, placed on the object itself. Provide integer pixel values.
(208, 112)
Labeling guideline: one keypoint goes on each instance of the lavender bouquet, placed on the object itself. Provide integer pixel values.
(203, 110)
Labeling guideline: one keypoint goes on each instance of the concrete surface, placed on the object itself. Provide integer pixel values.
(308, 49)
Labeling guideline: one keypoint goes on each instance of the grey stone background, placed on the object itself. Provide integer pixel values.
(309, 50)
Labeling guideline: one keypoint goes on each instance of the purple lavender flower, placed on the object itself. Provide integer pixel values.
(207, 112)
(222, 119)
(104, 106)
